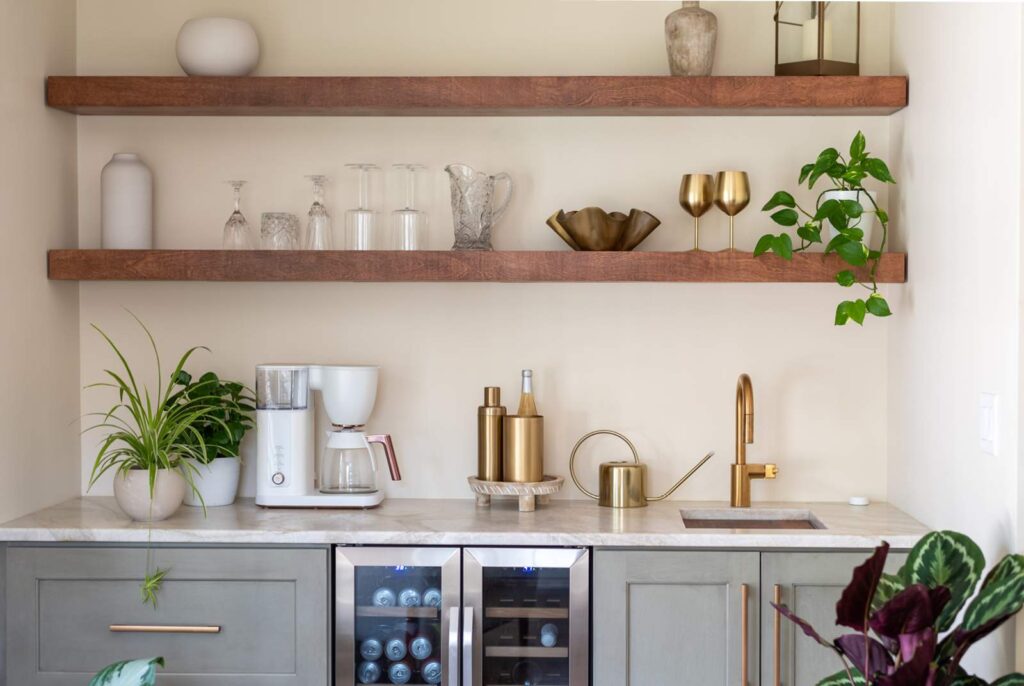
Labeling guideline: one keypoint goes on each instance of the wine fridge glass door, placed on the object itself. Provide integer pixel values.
(531, 617)
(393, 610)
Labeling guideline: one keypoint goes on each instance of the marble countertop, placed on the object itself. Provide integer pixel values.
(461, 522)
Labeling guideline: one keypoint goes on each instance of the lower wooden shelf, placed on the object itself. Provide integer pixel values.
(452, 266)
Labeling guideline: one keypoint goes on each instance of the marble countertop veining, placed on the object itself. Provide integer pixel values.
(461, 522)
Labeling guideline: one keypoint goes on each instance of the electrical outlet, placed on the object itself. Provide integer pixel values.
(988, 423)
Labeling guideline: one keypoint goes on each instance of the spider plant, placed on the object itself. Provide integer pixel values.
(151, 432)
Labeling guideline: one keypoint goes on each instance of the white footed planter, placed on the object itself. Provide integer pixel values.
(126, 203)
(131, 490)
(867, 221)
(217, 482)
(217, 46)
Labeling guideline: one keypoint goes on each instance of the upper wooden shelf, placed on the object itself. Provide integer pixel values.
(477, 95)
(451, 266)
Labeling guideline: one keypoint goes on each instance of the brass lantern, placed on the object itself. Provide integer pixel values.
(817, 38)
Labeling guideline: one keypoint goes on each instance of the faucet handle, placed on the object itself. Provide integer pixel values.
(771, 471)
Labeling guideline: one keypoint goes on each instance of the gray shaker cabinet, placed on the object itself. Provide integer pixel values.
(809, 583)
(674, 617)
(226, 616)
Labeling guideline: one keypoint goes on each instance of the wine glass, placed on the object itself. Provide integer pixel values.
(237, 235)
(732, 193)
(318, 230)
(361, 222)
(408, 225)
(696, 193)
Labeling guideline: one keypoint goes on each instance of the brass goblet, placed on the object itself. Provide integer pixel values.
(696, 193)
(732, 193)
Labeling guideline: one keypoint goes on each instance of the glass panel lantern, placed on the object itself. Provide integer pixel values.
(817, 38)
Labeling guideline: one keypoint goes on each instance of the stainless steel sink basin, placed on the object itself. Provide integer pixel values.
(759, 518)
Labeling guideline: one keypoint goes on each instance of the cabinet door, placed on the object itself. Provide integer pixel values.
(669, 617)
(225, 616)
(809, 584)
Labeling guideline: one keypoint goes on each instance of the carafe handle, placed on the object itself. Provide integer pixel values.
(389, 451)
(500, 209)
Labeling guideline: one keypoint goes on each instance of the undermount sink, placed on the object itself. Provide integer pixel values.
(759, 518)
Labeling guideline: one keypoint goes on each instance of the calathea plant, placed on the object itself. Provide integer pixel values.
(128, 673)
(846, 215)
(898, 620)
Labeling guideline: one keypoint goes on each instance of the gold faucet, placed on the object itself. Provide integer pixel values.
(742, 472)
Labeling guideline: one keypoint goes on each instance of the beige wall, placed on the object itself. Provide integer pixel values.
(658, 362)
(39, 454)
(958, 332)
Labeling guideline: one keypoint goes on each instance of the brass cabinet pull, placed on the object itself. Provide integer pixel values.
(776, 631)
(162, 629)
(744, 630)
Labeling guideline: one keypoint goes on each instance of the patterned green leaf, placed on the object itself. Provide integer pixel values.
(950, 559)
(128, 673)
(888, 586)
(842, 679)
(967, 680)
(1001, 595)
(1014, 679)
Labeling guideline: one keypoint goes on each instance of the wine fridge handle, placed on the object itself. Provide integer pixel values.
(453, 647)
(744, 630)
(776, 636)
(467, 646)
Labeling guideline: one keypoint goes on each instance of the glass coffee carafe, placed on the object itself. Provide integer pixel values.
(348, 465)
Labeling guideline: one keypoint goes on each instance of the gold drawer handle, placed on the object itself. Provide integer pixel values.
(744, 629)
(162, 629)
(776, 637)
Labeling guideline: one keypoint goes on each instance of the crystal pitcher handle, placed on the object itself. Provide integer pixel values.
(389, 451)
(500, 209)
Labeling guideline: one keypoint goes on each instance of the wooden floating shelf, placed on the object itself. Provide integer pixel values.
(414, 612)
(477, 95)
(526, 613)
(452, 266)
(525, 651)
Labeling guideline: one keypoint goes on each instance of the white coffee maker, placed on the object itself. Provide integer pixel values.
(287, 473)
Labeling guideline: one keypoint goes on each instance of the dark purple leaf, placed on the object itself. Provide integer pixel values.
(917, 670)
(911, 610)
(855, 603)
(909, 643)
(804, 626)
(867, 655)
(963, 639)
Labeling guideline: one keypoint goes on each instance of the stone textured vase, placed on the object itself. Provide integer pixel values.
(217, 46)
(131, 489)
(690, 35)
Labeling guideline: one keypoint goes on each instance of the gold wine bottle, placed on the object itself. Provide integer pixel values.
(527, 403)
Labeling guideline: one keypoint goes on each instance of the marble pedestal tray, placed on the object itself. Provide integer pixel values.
(529, 494)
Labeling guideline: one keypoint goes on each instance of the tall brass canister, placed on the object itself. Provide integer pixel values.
(490, 418)
(523, 458)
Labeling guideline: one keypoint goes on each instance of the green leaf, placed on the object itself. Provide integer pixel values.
(838, 218)
(826, 209)
(764, 244)
(950, 559)
(857, 146)
(782, 246)
(810, 233)
(854, 234)
(841, 679)
(842, 313)
(882, 216)
(834, 244)
(805, 171)
(825, 160)
(878, 306)
(128, 673)
(852, 208)
(786, 217)
(846, 278)
(1014, 679)
(878, 169)
(780, 199)
(888, 586)
(151, 586)
(857, 309)
(853, 252)
(1001, 595)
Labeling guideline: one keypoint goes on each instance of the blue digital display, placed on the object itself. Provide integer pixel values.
(529, 570)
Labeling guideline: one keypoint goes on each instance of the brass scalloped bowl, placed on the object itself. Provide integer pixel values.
(594, 229)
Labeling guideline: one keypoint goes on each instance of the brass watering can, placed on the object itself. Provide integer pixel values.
(621, 484)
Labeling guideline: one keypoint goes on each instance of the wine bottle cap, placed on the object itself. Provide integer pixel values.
(492, 396)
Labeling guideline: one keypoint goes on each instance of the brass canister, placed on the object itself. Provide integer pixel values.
(621, 484)
(523, 459)
(489, 422)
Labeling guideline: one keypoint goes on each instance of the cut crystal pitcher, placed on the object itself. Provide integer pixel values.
(474, 210)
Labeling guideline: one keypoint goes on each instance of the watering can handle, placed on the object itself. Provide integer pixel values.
(572, 458)
(500, 209)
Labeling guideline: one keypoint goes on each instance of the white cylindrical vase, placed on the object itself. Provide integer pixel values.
(126, 203)
(217, 482)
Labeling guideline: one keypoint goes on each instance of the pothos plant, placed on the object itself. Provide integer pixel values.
(846, 216)
(223, 430)
(898, 620)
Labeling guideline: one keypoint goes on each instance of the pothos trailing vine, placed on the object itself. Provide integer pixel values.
(845, 216)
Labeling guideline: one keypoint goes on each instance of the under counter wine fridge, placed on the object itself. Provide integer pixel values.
(462, 616)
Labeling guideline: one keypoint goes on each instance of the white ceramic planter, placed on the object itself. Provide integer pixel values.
(867, 221)
(126, 203)
(131, 490)
(217, 482)
(217, 46)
